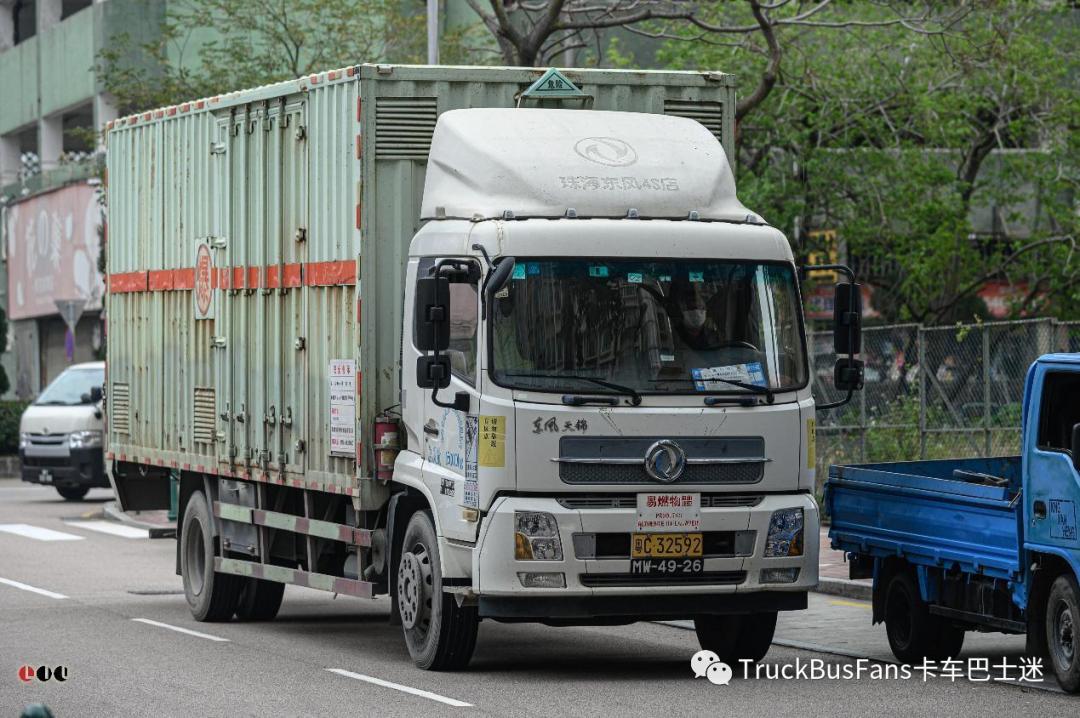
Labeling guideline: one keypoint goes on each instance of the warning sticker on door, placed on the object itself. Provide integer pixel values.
(492, 448)
(341, 378)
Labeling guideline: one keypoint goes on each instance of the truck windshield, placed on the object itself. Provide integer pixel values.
(675, 326)
(68, 388)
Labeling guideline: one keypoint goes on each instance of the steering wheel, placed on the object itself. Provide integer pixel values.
(737, 343)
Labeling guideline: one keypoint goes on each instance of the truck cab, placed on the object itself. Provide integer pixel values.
(605, 387)
(976, 544)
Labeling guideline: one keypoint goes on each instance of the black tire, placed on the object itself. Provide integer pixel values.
(1063, 631)
(73, 493)
(440, 634)
(914, 633)
(260, 600)
(212, 596)
(736, 638)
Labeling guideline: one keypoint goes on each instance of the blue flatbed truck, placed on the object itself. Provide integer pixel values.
(976, 544)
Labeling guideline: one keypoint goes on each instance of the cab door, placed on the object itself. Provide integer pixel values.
(450, 436)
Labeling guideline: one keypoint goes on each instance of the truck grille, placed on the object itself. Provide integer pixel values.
(708, 578)
(48, 439)
(599, 473)
(629, 501)
(46, 461)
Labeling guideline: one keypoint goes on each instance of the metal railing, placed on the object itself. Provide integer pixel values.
(933, 392)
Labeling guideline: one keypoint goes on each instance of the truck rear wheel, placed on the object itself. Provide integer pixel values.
(1063, 631)
(914, 633)
(260, 600)
(736, 638)
(440, 634)
(212, 596)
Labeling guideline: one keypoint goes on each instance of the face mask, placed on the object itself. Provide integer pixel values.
(694, 318)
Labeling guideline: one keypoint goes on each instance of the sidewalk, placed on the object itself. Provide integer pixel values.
(156, 522)
(833, 573)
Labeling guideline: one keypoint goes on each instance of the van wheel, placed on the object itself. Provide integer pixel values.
(440, 634)
(72, 493)
(260, 600)
(914, 633)
(212, 596)
(1063, 631)
(736, 638)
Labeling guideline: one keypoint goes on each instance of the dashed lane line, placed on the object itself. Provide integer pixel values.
(31, 589)
(404, 689)
(178, 629)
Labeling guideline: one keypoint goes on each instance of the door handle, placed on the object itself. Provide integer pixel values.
(1039, 509)
(431, 430)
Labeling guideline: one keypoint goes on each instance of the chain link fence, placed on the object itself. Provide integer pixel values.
(933, 392)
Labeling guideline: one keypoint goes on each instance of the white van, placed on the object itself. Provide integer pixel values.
(60, 441)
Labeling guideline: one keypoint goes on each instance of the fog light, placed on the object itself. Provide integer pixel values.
(785, 533)
(536, 537)
(542, 580)
(779, 575)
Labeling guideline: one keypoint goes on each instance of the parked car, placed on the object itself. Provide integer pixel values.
(60, 433)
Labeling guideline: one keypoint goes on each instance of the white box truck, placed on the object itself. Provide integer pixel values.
(498, 342)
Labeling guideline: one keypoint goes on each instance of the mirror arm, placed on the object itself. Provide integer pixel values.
(835, 404)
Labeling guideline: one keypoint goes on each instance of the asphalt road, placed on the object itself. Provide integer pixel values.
(110, 608)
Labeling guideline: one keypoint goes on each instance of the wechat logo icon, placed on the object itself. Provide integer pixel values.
(709, 665)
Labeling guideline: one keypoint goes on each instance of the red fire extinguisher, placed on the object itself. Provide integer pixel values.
(386, 445)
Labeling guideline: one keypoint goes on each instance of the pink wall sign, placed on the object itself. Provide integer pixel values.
(52, 251)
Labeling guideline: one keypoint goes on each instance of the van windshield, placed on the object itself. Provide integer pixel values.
(68, 388)
(675, 326)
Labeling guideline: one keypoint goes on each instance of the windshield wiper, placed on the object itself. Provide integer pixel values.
(755, 388)
(635, 397)
(54, 402)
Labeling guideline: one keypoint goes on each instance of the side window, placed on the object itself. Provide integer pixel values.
(463, 320)
(1059, 411)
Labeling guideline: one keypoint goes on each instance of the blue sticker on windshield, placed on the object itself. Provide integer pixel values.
(597, 270)
(716, 378)
(633, 277)
(534, 268)
(519, 271)
(697, 276)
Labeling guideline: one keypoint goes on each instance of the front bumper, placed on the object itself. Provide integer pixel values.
(77, 467)
(600, 586)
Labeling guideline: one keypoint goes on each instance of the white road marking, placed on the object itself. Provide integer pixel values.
(31, 589)
(405, 689)
(36, 532)
(111, 527)
(178, 629)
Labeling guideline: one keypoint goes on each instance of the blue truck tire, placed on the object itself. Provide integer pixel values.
(914, 633)
(1063, 631)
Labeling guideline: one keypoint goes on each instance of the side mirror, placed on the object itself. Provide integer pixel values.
(432, 315)
(95, 394)
(847, 318)
(433, 372)
(848, 374)
(497, 279)
(1075, 446)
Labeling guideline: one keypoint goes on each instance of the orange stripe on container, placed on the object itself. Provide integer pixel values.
(322, 274)
(237, 278)
(127, 282)
(185, 278)
(159, 280)
(294, 275)
(253, 277)
(273, 278)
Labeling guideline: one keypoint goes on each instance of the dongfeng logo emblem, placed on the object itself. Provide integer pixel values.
(665, 461)
(609, 151)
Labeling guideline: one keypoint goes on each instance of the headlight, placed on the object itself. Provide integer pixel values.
(24, 439)
(785, 533)
(536, 537)
(84, 439)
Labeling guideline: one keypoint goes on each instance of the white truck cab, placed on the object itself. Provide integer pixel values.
(60, 433)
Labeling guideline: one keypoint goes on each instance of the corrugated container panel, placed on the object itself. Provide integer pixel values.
(272, 178)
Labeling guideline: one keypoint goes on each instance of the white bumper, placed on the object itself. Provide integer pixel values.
(495, 570)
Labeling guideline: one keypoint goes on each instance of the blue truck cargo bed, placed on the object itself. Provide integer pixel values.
(925, 512)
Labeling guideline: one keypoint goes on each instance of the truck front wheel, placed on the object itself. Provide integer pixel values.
(440, 634)
(736, 638)
(212, 596)
(914, 633)
(1063, 631)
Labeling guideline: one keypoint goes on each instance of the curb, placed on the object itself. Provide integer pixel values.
(157, 530)
(846, 588)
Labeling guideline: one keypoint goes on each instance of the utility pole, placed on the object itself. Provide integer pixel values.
(433, 32)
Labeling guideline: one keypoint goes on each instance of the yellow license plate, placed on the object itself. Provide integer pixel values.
(665, 546)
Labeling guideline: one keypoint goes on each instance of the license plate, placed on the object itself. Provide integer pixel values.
(45, 477)
(665, 545)
(661, 567)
